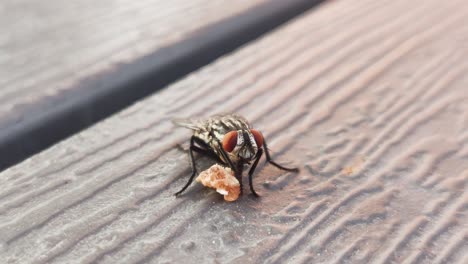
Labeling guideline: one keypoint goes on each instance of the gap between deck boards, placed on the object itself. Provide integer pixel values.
(102, 95)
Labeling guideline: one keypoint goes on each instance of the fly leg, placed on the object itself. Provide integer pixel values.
(224, 154)
(206, 152)
(268, 158)
(192, 163)
(236, 169)
(238, 174)
(252, 170)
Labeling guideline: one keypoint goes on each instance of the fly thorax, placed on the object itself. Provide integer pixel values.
(246, 147)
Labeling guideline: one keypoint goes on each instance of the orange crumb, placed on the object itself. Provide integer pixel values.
(222, 179)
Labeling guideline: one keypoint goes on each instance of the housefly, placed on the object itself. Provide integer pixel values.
(231, 141)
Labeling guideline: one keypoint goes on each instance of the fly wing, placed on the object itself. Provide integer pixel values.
(188, 123)
(220, 124)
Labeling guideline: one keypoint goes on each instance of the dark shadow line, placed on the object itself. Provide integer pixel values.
(46, 122)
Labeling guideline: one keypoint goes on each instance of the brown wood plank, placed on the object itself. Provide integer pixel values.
(65, 66)
(375, 116)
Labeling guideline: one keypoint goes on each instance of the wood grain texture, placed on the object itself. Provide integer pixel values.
(66, 66)
(369, 99)
(56, 39)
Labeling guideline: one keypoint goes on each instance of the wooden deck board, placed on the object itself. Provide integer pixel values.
(89, 37)
(375, 116)
(65, 66)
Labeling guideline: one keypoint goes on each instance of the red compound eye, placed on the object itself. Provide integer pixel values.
(258, 137)
(230, 141)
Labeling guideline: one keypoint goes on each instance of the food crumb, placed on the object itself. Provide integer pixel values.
(222, 179)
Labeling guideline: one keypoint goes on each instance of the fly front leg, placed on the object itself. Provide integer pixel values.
(252, 170)
(268, 158)
(236, 168)
(225, 155)
(206, 150)
(238, 174)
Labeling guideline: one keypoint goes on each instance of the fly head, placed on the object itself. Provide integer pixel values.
(243, 144)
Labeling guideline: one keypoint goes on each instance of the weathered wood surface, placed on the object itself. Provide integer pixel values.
(369, 99)
(65, 66)
(56, 40)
